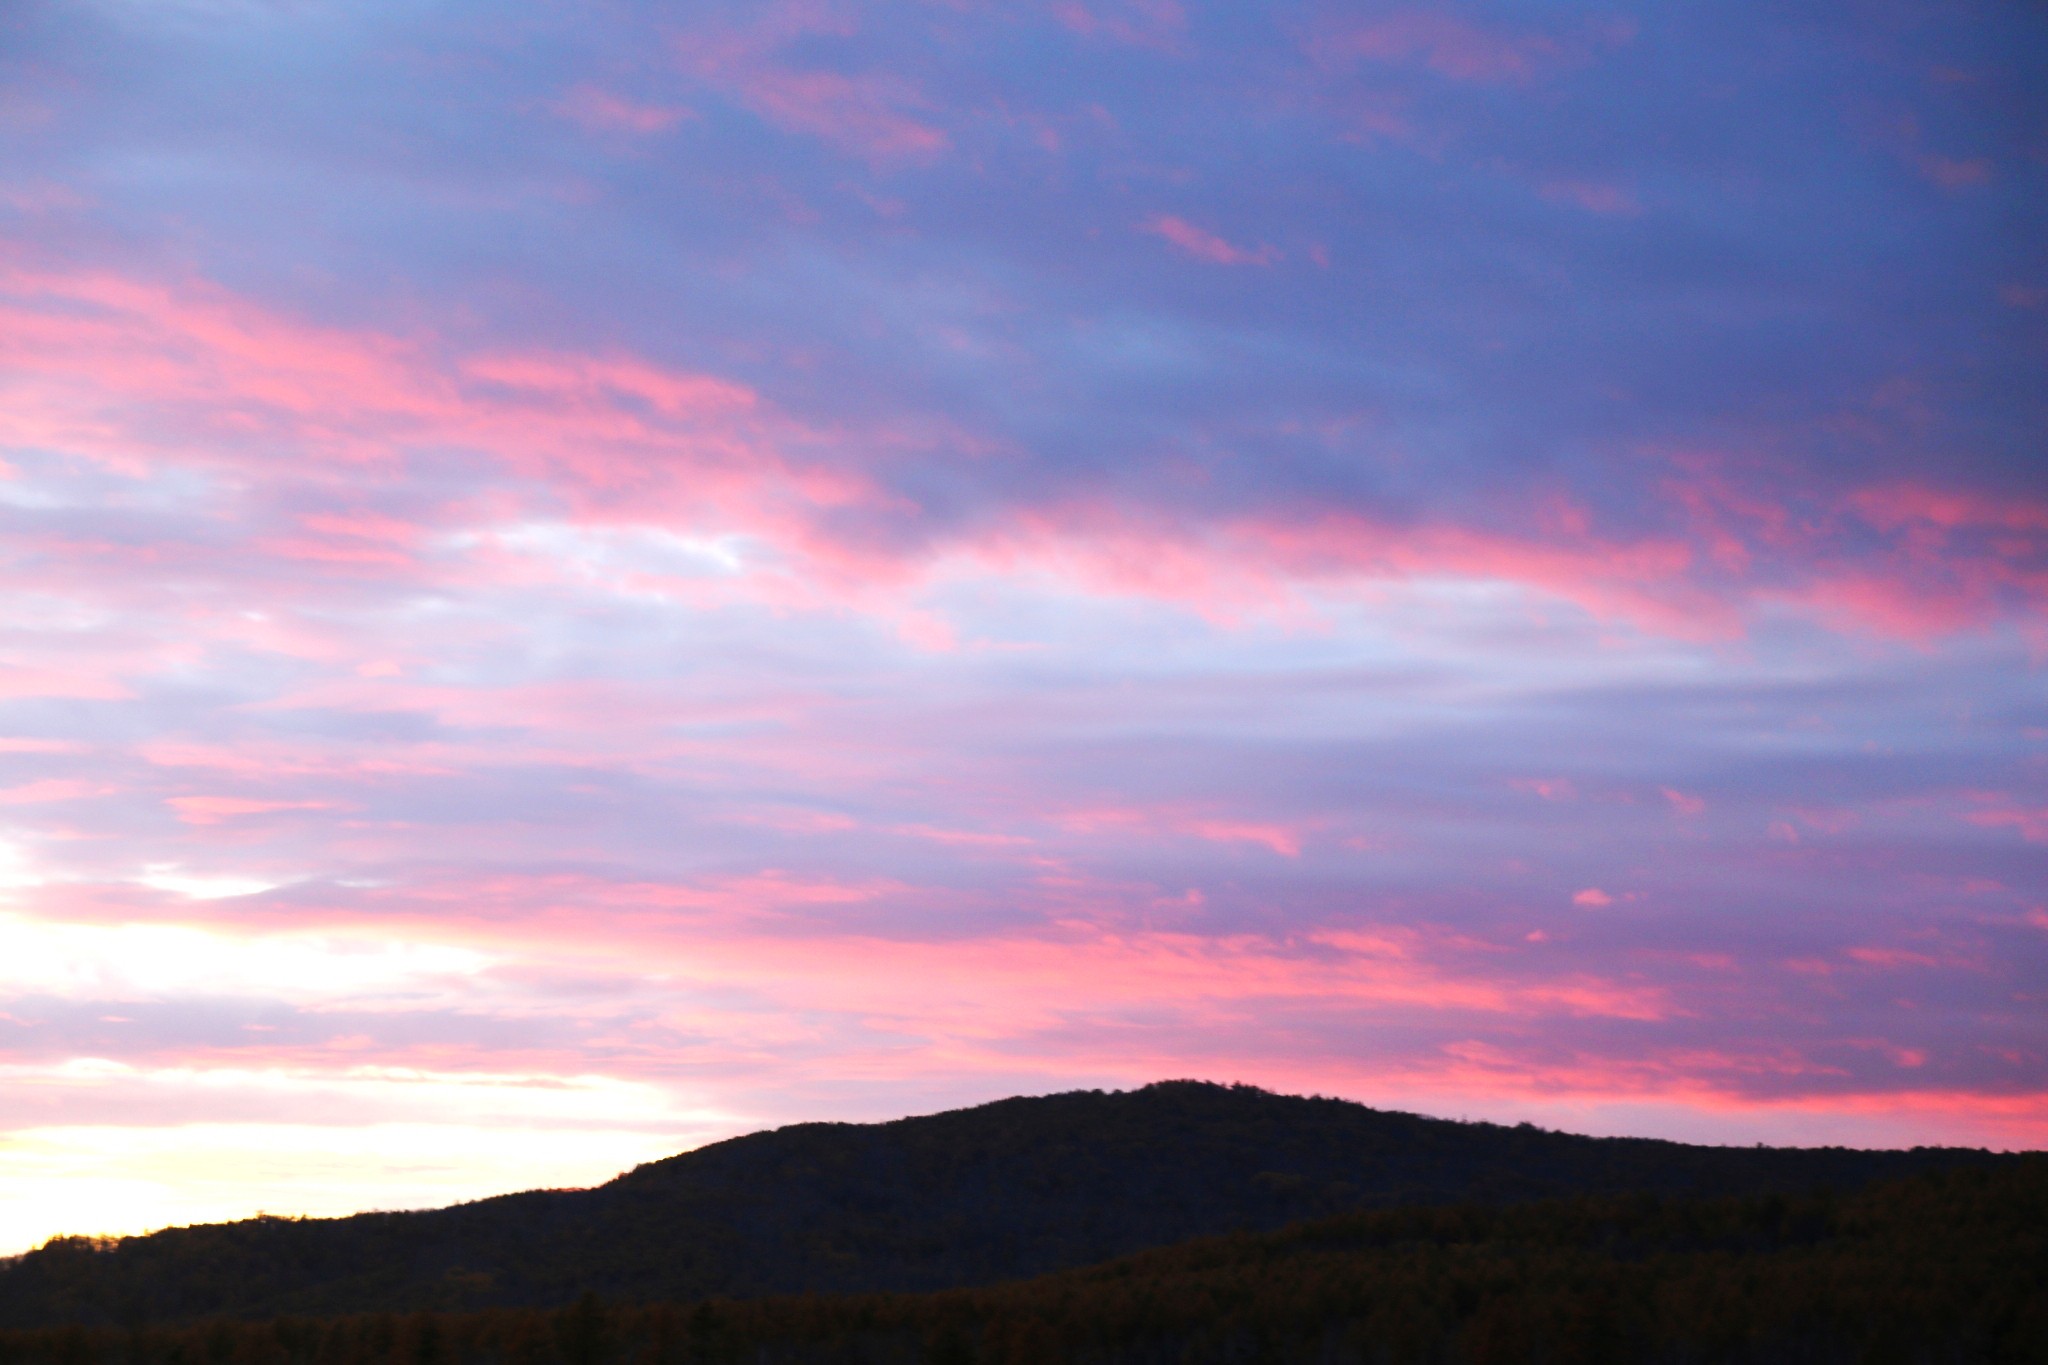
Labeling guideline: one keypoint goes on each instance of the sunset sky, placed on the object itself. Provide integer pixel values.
(582, 578)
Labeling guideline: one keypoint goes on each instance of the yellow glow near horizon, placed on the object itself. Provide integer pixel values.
(323, 1143)
(116, 1181)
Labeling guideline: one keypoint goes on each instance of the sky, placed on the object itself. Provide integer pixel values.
(585, 578)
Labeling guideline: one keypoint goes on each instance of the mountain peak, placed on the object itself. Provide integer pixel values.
(975, 1195)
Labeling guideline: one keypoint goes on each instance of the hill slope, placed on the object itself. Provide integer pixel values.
(1001, 1191)
(1937, 1268)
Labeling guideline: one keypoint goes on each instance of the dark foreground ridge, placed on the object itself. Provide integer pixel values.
(971, 1197)
(1937, 1269)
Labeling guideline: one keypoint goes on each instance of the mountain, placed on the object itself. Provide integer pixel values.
(1943, 1267)
(975, 1196)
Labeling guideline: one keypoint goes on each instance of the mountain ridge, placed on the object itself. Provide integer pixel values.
(993, 1192)
(1939, 1267)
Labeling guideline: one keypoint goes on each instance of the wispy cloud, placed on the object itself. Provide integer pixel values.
(1203, 245)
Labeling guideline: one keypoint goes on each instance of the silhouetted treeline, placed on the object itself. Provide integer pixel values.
(1946, 1267)
(977, 1196)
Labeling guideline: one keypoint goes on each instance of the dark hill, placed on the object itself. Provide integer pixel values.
(1002, 1191)
(1936, 1269)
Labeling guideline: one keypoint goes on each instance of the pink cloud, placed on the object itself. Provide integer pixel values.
(1827, 820)
(599, 110)
(1549, 788)
(1282, 840)
(879, 115)
(75, 678)
(211, 810)
(1183, 822)
(51, 789)
(41, 197)
(272, 757)
(137, 374)
(1946, 560)
(1157, 24)
(1252, 561)
(1449, 46)
(1891, 957)
(865, 113)
(1903, 135)
(1593, 197)
(591, 387)
(1203, 245)
(2030, 824)
(965, 837)
(1892, 606)
(1682, 803)
(992, 987)
(1953, 173)
(1896, 505)
(755, 995)
(928, 631)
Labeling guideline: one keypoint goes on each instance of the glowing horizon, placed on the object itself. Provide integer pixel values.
(583, 584)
